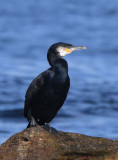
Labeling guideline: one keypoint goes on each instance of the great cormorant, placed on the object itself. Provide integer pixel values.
(48, 91)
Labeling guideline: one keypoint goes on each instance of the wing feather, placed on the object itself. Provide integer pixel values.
(33, 89)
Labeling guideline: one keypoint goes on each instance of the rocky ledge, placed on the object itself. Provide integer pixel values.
(38, 144)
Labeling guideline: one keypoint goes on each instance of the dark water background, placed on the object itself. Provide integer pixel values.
(28, 28)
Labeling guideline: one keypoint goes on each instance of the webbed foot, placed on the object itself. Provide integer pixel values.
(50, 129)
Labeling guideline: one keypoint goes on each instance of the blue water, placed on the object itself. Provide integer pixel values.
(28, 28)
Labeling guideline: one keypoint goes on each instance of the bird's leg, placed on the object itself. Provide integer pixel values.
(32, 122)
(50, 129)
(48, 125)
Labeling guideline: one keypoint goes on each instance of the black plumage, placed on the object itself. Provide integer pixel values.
(48, 91)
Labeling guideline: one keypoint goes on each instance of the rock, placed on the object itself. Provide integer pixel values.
(38, 144)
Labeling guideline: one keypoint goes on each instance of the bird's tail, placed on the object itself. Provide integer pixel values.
(28, 126)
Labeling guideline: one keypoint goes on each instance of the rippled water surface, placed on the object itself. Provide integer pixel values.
(28, 28)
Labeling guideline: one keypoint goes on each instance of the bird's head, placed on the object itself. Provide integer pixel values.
(60, 49)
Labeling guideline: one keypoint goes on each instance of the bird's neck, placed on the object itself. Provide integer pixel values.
(59, 66)
(61, 70)
(52, 58)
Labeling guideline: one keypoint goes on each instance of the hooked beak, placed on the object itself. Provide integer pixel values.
(74, 48)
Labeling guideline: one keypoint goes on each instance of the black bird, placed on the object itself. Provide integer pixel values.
(48, 91)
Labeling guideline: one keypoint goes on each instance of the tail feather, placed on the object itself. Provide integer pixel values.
(28, 126)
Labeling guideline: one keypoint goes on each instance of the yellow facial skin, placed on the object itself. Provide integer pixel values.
(67, 50)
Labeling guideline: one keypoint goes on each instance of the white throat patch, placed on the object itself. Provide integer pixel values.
(62, 51)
